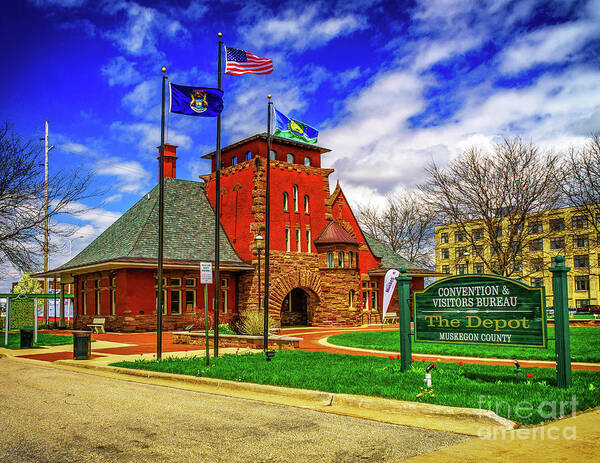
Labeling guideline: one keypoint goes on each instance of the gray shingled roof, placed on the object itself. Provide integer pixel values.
(188, 235)
(389, 259)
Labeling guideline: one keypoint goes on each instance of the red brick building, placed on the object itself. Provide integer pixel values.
(323, 269)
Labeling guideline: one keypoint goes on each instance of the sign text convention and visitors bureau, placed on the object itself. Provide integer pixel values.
(480, 309)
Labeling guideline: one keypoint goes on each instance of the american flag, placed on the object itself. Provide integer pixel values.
(243, 62)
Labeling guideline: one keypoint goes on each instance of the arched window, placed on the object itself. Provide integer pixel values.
(248, 155)
(330, 259)
(290, 158)
(285, 201)
(307, 161)
(234, 161)
(272, 155)
(340, 259)
(295, 197)
(351, 298)
(350, 261)
(306, 204)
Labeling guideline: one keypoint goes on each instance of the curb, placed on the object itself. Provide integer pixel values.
(439, 417)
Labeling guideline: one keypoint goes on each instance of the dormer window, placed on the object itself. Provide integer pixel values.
(295, 197)
(307, 161)
(290, 158)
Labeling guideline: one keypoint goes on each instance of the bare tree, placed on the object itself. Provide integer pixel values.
(495, 200)
(581, 182)
(22, 212)
(405, 224)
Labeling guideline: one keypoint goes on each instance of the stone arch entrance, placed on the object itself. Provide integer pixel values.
(297, 308)
(302, 288)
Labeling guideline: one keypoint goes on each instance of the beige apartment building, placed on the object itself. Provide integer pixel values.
(557, 232)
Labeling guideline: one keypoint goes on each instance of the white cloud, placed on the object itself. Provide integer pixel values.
(553, 44)
(139, 100)
(301, 31)
(555, 112)
(147, 136)
(75, 148)
(119, 71)
(144, 26)
(131, 176)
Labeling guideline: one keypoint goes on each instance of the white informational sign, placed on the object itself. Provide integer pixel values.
(389, 284)
(206, 275)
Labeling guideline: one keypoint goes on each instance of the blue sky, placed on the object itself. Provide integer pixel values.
(390, 85)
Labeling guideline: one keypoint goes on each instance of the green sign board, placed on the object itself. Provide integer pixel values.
(481, 309)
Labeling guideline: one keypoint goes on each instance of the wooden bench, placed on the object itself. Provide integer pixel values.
(390, 317)
(97, 325)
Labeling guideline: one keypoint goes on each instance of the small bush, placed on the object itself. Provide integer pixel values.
(253, 323)
(236, 323)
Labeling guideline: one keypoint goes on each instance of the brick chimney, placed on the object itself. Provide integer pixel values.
(170, 160)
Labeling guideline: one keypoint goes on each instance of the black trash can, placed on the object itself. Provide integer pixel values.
(82, 346)
(26, 338)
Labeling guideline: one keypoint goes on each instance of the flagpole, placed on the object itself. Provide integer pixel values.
(217, 218)
(161, 210)
(267, 227)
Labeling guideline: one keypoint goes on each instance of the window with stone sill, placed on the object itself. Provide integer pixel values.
(445, 253)
(285, 201)
(298, 241)
(581, 241)
(444, 238)
(190, 299)
(295, 197)
(579, 221)
(175, 302)
(582, 283)
(537, 282)
(581, 261)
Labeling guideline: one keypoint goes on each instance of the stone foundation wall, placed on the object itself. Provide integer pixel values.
(241, 341)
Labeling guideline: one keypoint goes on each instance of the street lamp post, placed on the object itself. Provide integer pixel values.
(259, 245)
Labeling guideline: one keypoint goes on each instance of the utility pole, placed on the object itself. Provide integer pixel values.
(46, 221)
(47, 150)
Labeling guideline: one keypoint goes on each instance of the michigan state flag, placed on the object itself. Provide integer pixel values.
(196, 101)
(291, 128)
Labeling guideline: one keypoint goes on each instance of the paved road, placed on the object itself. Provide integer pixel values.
(54, 415)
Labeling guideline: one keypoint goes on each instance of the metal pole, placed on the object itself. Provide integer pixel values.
(267, 226)
(561, 321)
(54, 289)
(161, 213)
(35, 308)
(218, 218)
(258, 250)
(61, 323)
(404, 318)
(7, 321)
(46, 244)
(206, 337)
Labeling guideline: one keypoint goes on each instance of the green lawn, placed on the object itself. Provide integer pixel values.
(497, 388)
(585, 345)
(14, 340)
